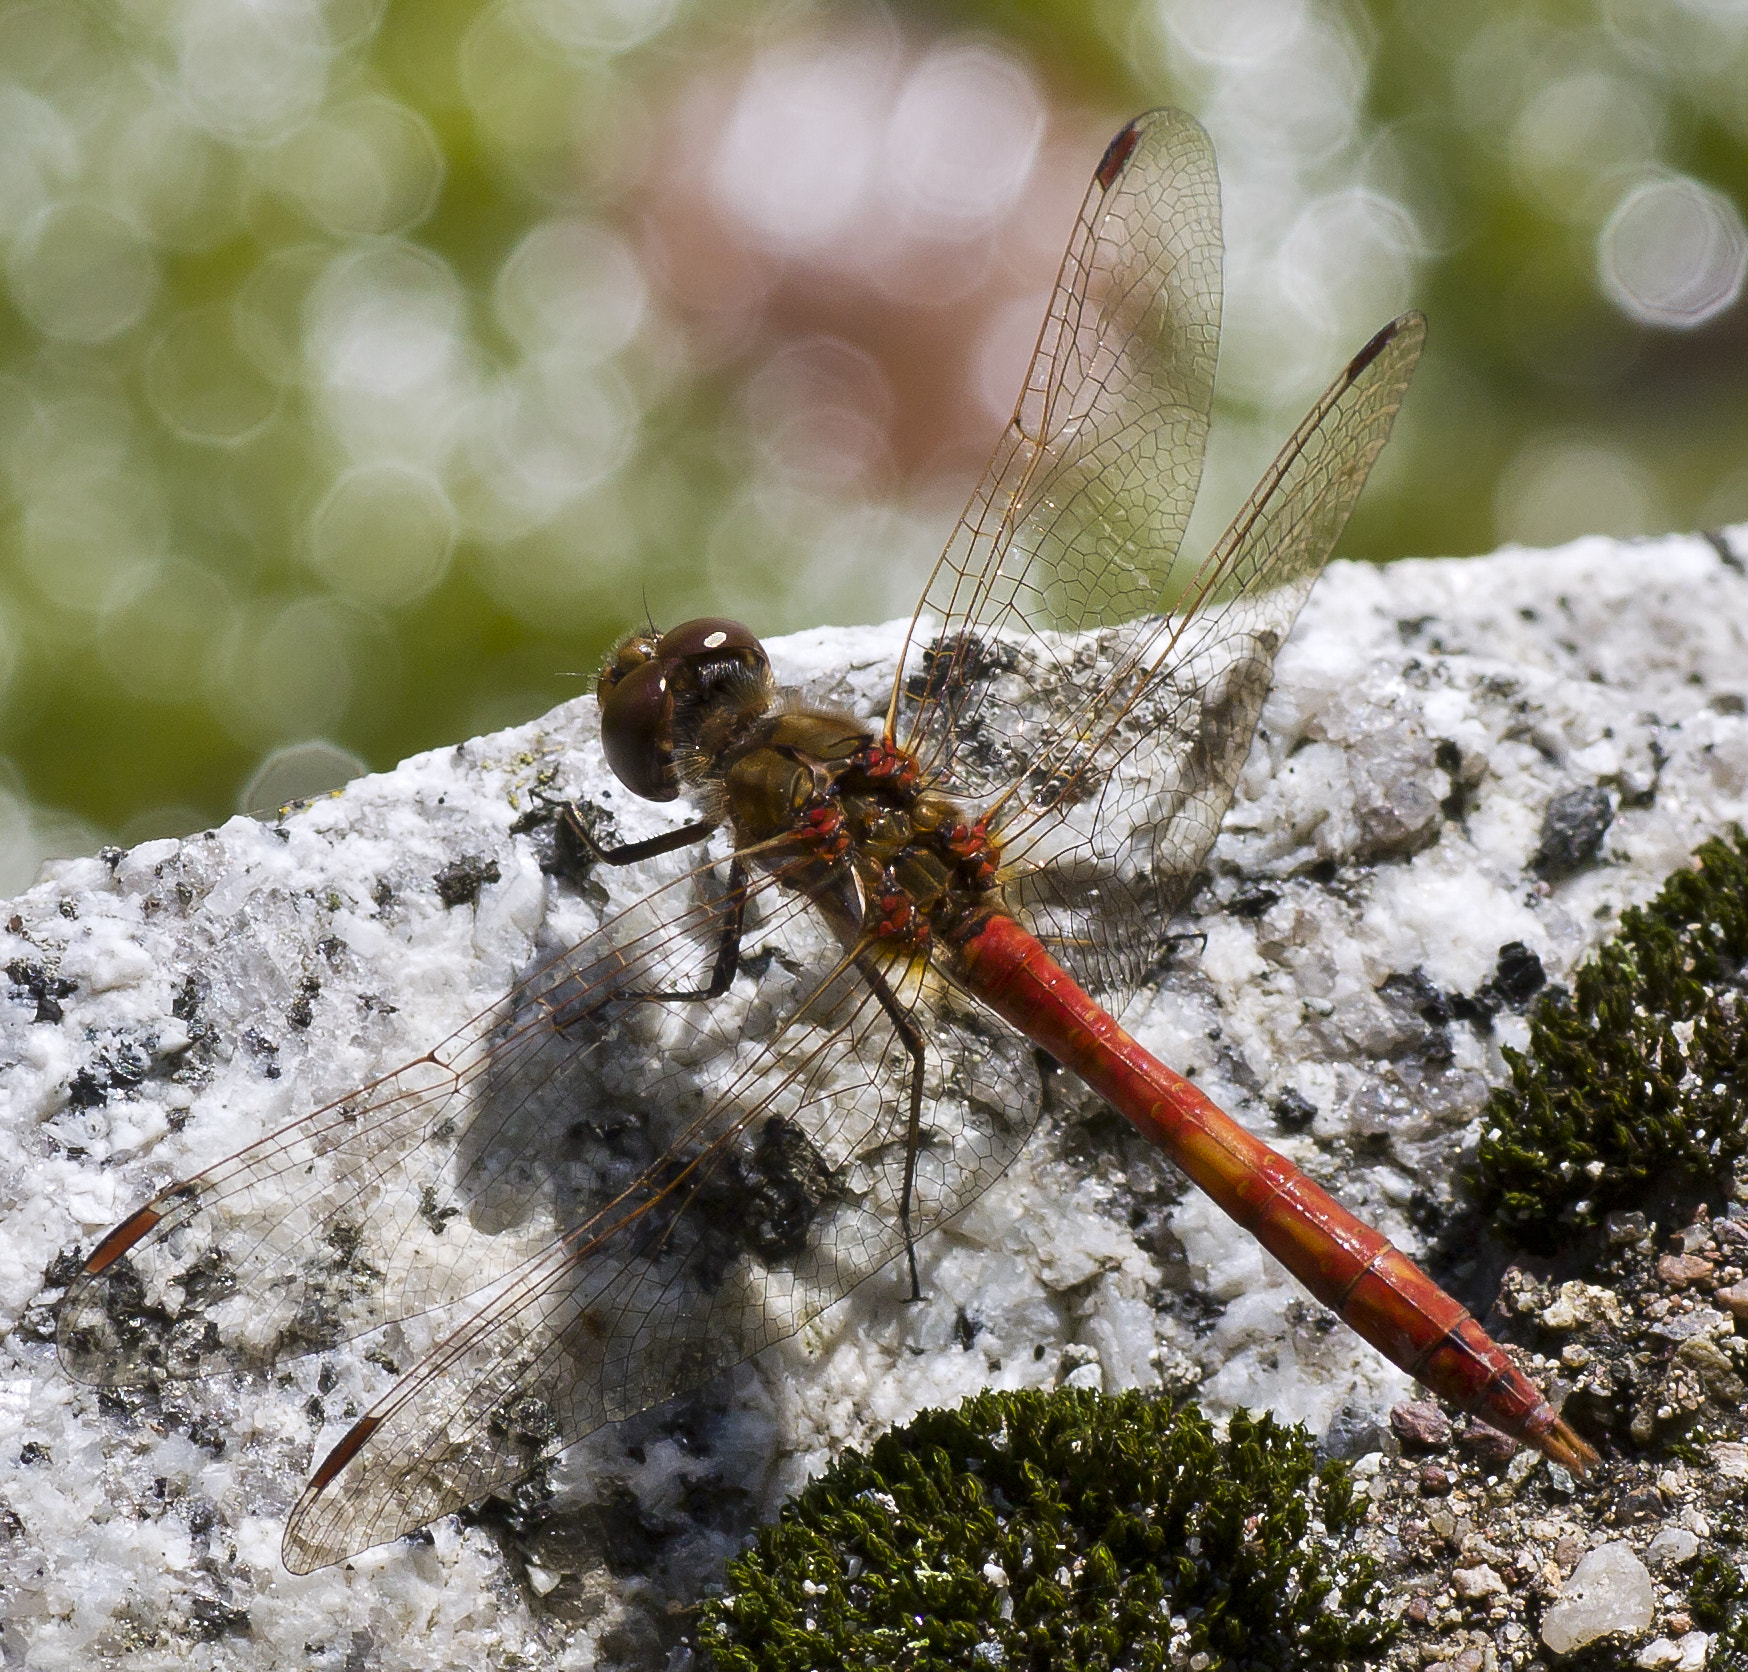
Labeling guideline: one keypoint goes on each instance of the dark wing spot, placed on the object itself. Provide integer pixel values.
(1372, 349)
(1116, 154)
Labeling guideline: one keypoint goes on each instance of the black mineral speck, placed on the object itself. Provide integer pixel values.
(48, 990)
(459, 884)
(264, 1050)
(1293, 1111)
(62, 1269)
(787, 1181)
(1415, 992)
(1572, 831)
(1253, 901)
(951, 666)
(189, 997)
(1519, 976)
(301, 1012)
(209, 1619)
(85, 1090)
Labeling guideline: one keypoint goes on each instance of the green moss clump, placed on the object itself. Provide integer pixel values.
(1632, 1091)
(1031, 1530)
(1718, 1600)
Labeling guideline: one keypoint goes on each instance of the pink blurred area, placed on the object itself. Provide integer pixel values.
(861, 229)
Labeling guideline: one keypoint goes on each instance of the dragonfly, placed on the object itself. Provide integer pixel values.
(766, 1078)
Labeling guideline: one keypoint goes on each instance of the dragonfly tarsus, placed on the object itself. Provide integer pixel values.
(727, 947)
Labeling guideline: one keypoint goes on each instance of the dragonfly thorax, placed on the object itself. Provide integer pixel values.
(823, 785)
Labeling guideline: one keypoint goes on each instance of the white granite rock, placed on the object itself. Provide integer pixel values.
(170, 1004)
(1674, 1547)
(1686, 1655)
(1609, 1594)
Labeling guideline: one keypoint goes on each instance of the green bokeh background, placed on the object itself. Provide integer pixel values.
(163, 625)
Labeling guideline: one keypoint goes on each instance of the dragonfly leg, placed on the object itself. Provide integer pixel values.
(910, 1036)
(570, 821)
(727, 946)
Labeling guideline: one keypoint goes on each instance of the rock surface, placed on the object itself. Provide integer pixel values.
(1388, 849)
(1609, 1595)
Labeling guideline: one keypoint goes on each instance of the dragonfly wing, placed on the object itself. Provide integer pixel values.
(762, 1210)
(1077, 522)
(411, 1194)
(1121, 801)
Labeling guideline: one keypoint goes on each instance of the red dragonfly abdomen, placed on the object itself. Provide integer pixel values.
(1355, 1271)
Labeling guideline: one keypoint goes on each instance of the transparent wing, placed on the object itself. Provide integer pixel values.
(1090, 694)
(429, 1185)
(1111, 811)
(758, 1213)
(1077, 522)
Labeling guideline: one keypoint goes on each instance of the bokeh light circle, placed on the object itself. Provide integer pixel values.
(201, 384)
(39, 152)
(1235, 32)
(543, 438)
(1577, 134)
(387, 352)
(819, 410)
(964, 135)
(370, 166)
(287, 668)
(1558, 487)
(383, 534)
(1673, 253)
(268, 309)
(298, 772)
(799, 154)
(574, 283)
(157, 624)
(81, 273)
(82, 534)
(596, 25)
(251, 72)
(181, 184)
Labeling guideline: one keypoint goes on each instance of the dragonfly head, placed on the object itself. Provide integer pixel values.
(647, 678)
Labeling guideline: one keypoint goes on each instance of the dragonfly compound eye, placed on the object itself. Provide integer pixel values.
(637, 731)
(711, 639)
(631, 655)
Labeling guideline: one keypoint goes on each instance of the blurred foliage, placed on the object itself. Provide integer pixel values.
(367, 367)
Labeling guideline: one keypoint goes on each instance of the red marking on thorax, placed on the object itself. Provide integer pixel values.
(971, 846)
(881, 763)
(824, 828)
